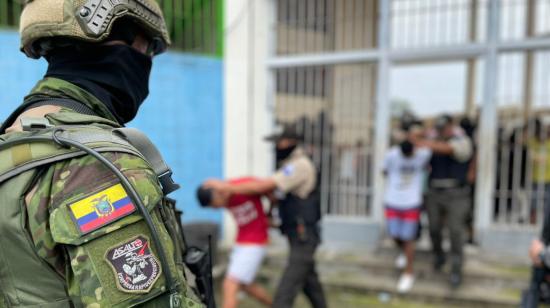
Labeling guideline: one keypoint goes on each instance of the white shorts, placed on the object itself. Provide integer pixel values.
(245, 261)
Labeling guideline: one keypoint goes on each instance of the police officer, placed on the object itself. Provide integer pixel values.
(79, 233)
(295, 184)
(449, 192)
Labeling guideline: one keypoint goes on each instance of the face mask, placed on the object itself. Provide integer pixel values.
(118, 75)
(282, 154)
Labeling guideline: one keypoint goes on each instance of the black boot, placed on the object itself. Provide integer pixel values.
(456, 276)
(439, 261)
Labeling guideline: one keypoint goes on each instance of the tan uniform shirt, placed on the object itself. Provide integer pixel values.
(297, 175)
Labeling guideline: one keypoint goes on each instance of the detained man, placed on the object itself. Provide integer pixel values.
(405, 166)
(250, 247)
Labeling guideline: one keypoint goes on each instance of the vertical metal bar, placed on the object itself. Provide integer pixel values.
(471, 65)
(17, 8)
(178, 23)
(326, 139)
(310, 26)
(193, 14)
(381, 140)
(488, 124)
(207, 27)
(517, 177)
(320, 24)
(220, 33)
(503, 193)
(529, 61)
(4, 12)
(301, 31)
(168, 9)
(187, 40)
(201, 26)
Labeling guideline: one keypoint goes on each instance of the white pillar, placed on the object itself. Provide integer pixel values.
(382, 122)
(247, 115)
(488, 125)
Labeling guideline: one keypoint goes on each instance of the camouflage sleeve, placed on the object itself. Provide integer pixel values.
(89, 231)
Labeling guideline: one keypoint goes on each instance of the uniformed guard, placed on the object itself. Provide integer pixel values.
(84, 217)
(295, 185)
(448, 193)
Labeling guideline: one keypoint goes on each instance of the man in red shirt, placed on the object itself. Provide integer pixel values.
(250, 247)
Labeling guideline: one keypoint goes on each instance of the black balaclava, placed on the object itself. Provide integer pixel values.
(282, 154)
(118, 75)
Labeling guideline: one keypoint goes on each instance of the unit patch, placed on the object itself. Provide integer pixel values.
(288, 170)
(136, 268)
(102, 208)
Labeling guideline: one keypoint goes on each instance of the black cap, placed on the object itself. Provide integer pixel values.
(204, 195)
(289, 132)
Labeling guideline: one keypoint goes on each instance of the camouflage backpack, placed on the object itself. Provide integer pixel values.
(27, 280)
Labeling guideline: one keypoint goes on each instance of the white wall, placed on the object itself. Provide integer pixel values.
(248, 109)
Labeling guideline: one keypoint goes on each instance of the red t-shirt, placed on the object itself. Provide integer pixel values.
(249, 215)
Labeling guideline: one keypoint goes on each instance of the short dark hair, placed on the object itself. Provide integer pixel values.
(205, 196)
(407, 148)
(443, 120)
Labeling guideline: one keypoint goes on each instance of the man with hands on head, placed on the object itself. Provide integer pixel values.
(295, 186)
(250, 247)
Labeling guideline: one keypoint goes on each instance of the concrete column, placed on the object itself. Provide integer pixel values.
(382, 121)
(488, 125)
(248, 30)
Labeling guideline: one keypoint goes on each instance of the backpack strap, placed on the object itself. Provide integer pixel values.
(18, 156)
(144, 145)
(43, 101)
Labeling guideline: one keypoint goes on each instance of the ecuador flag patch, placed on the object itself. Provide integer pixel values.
(102, 208)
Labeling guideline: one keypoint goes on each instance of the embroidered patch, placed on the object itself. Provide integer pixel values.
(102, 208)
(136, 268)
(288, 170)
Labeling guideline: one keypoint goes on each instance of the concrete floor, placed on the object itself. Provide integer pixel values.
(353, 300)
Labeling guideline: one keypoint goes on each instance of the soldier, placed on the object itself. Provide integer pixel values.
(82, 228)
(295, 184)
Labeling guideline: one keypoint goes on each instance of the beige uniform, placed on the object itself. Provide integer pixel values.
(297, 175)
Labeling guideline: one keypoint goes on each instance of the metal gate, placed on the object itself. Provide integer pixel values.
(332, 104)
(332, 67)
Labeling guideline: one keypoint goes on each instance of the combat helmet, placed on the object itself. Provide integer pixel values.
(47, 24)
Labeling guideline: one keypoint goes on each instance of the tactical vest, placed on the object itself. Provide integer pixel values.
(294, 211)
(446, 167)
(27, 280)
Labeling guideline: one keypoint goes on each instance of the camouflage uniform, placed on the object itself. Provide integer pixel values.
(78, 267)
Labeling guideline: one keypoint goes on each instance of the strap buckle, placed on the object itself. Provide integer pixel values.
(167, 182)
(35, 124)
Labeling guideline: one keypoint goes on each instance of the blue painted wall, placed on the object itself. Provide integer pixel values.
(183, 114)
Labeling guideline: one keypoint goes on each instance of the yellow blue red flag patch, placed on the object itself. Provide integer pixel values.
(102, 208)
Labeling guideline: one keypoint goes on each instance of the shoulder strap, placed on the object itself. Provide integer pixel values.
(144, 145)
(18, 156)
(42, 101)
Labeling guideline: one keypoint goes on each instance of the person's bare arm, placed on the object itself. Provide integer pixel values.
(439, 147)
(256, 187)
(535, 252)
